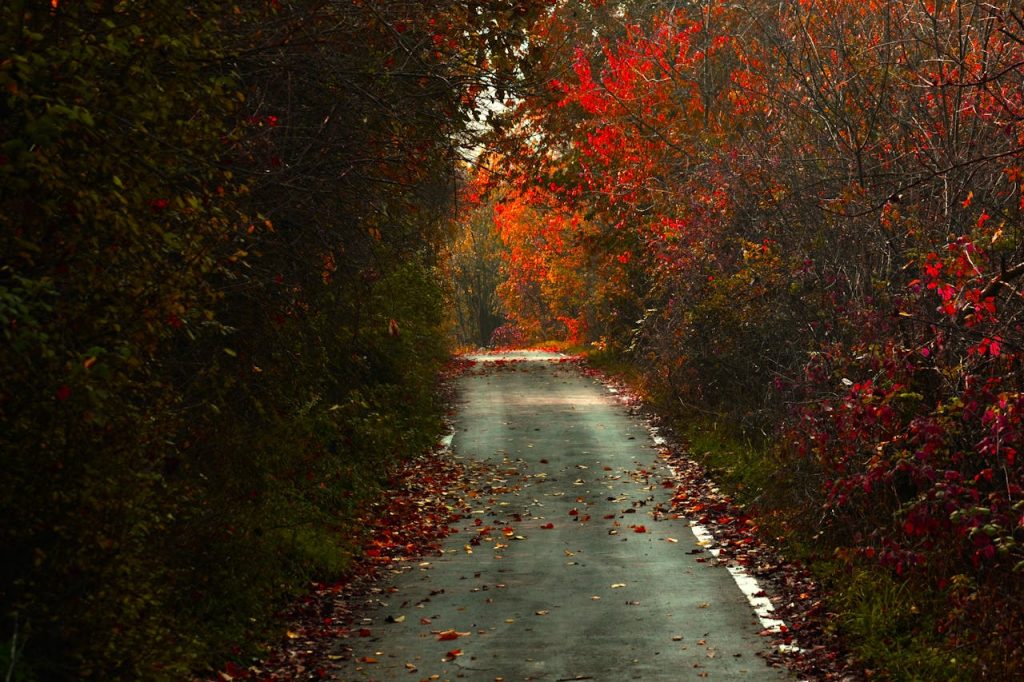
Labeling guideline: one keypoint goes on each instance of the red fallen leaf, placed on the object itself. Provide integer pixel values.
(233, 671)
(609, 516)
(574, 512)
(425, 621)
(667, 484)
(365, 632)
(367, 659)
(548, 526)
(453, 654)
(639, 529)
(63, 393)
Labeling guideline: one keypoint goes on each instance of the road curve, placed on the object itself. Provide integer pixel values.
(570, 568)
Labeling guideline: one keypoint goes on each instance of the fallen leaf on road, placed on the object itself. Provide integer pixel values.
(453, 654)
(618, 585)
(451, 634)
(542, 612)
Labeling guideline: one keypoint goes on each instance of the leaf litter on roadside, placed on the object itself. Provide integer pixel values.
(426, 496)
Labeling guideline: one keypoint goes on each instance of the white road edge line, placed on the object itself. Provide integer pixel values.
(747, 583)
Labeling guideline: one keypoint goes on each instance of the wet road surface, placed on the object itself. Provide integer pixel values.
(571, 566)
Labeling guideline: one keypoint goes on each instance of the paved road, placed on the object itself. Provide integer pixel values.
(561, 586)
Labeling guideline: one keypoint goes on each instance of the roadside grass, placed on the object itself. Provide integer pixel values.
(891, 623)
(613, 364)
(743, 467)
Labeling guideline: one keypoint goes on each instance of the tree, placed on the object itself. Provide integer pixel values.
(475, 261)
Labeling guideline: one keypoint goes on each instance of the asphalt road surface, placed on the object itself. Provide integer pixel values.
(571, 567)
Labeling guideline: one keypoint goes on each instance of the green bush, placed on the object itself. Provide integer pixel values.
(184, 438)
